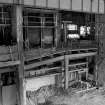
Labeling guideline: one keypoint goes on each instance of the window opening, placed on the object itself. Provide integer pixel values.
(31, 31)
(39, 29)
(77, 27)
(8, 78)
(6, 37)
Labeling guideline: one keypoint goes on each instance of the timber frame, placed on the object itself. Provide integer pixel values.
(30, 63)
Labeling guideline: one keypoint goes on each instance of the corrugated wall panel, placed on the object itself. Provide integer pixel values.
(101, 6)
(41, 3)
(65, 4)
(36, 83)
(53, 3)
(29, 2)
(77, 5)
(95, 6)
(86, 5)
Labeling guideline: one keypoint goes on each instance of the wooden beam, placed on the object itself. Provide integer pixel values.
(77, 64)
(45, 69)
(56, 28)
(8, 57)
(79, 70)
(19, 32)
(30, 66)
(66, 72)
(4, 70)
(96, 70)
(73, 56)
(35, 54)
(1, 101)
(46, 75)
(9, 63)
(65, 33)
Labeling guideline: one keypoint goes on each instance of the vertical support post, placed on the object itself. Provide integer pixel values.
(65, 33)
(63, 75)
(66, 72)
(56, 29)
(59, 32)
(1, 103)
(87, 68)
(96, 75)
(19, 33)
(42, 28)
(96, 71)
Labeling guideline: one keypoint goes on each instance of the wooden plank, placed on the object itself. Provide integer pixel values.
(66, 72)
(35, 54)
(73, 56)
(19, 32)
(9, 57)
(86, 49)
(7, 69)
(49, 75)
(85, 69)
(4, 57)
(8, 49)
(56, 19)
(41, 72)
(9, 63)
(86, 90)
(30, 66)
(96, 69)
(45, 69)
(77, 64)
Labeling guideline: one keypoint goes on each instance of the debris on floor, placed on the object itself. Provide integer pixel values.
(50, 95)
(91, 98)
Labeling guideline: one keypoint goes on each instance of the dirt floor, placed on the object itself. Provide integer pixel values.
(58, 96)
(94, 98)
(91, 98)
